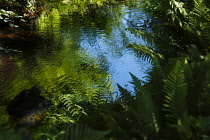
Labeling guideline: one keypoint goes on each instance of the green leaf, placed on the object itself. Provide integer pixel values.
(147, 112)
(78, 132)
(136, 82)
(176, 92)
(125, 96)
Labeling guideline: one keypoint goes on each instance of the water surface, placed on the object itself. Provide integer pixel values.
(76, 53)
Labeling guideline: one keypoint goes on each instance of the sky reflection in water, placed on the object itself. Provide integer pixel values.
(120, 59)
(103, 37)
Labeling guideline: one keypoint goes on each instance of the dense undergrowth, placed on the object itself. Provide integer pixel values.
(174, 101)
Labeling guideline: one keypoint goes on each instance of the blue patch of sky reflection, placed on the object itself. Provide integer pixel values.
(112, 48)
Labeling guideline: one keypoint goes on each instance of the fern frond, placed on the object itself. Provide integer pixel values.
(160, 44)
(197, 75)
(126, 97)
(147, 112)
(149, 38)
(97, 98)
(175, 98)
(136, 82)
(73, 104)
(198, 24)
(146, 53)
(78, 132)
(110, 122)
(177, 11)
(155, 40)
(155, 76)
(178, 7)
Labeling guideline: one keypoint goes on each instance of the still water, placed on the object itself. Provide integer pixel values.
(112, 47)
(75, 52)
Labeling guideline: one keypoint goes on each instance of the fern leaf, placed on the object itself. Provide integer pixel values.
(155, 76)
(125, 96)
(78, 132)
(146, 53)
(175, 98)
(147, 112)
(97, 98)
(74, 104)
(136, 82)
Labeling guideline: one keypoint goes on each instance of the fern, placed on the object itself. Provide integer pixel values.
(176, 25)
(97, 98)
(177, 11)
(125, 97)
(197, 77)
(74, 105)
(176, 91)
(155, 83)
(175, 101)
(160, 45)
(198, 24)
(71, 132)
(147, 113)
(136, 82)
(146, 53)
(110, 121)
(78, 132)
(155, 40)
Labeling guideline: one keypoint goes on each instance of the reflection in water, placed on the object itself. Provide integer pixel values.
(77, 53)
(112, 46)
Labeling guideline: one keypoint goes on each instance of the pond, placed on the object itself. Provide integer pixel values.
(78, 51)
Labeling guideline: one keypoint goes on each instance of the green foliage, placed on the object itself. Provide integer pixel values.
(146, 53)
(178, 84)
(172, 27)
(9, 17)
(6, 130)
(136, 82)
(175, 98)
(11, 135)
(72, 132)
(71, 102)
(83, 7)
(149, 118)
(169, 116)
(176, 91)
(15, 12)
(174, 101)
(78, 132)
(125, 96)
